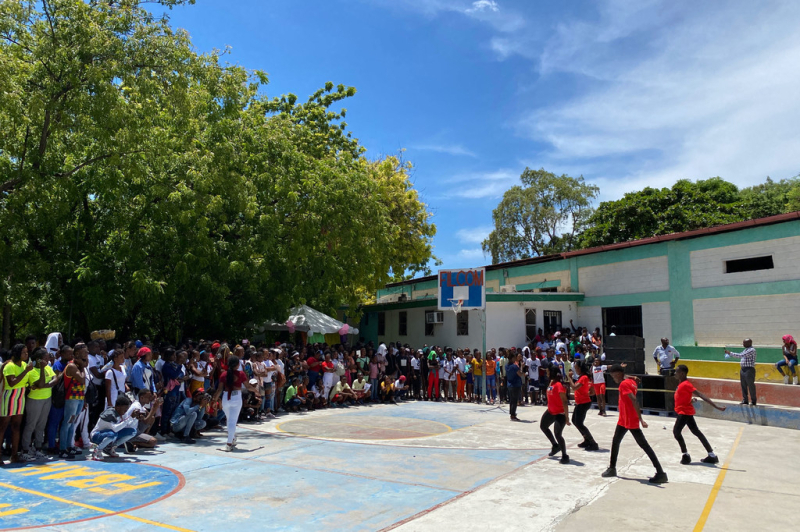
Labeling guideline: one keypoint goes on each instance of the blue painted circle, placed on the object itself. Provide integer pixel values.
(60, 492)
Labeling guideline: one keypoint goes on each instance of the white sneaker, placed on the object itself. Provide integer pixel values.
(40, 455)
(786, 379)
(159, 437)
(27, 457)
(95, 453)
(794, 381)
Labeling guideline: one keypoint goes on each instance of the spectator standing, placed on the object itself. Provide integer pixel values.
(114, 379)
(666, 357)
(57, 414)
(75, 378)
(15, 379)
(789, 359)
(514, 380)
(747, 371)
(40, 383)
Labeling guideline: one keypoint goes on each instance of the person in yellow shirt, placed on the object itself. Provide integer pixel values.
(41, 380)
(15, 379)
(387, 390)
(491, 378)
(477, 375)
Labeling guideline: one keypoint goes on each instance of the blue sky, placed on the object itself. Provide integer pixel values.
(626, 93)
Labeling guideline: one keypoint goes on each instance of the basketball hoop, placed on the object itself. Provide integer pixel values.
(456, 305)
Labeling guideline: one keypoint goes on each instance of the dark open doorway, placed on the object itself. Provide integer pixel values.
(628, 320)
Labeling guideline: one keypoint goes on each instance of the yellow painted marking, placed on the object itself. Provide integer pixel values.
(701, 523)
(15, 511)
(95, 508)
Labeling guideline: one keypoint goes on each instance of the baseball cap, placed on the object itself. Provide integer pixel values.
(142, 352)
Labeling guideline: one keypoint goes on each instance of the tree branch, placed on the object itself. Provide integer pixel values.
(94, 160)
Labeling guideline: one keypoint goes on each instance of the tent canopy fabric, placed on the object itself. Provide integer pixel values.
(310, 321)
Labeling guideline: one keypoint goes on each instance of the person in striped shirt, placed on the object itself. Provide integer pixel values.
(747, 372)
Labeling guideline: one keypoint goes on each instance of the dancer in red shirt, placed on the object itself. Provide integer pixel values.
(557, 412)
(685, 411)
(629, 418)
(582, 405)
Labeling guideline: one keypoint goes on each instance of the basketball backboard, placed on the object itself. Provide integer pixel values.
(468, 285)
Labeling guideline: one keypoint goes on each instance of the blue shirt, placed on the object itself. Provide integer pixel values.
(171, 371)
(512, 376)
(59, 366)
(138, 373)
(184, 409)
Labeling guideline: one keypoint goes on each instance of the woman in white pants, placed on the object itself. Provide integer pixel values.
(230, 387)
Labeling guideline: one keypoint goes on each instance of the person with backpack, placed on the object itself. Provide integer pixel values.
(41, 380)
(57, 398)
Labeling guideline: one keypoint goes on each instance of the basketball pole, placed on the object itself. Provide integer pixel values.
(483, 327)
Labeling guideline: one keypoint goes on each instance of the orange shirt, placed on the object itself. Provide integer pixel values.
(491, 367)
(627, 414)
(683, 399)
(554, 403)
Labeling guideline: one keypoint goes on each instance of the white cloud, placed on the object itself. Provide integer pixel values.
(674, 90)
(471, 254)
(450, 149)
(474, 235)
(483, 5)
(481, 184)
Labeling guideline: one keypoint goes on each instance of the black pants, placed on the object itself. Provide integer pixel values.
(578, 417)
(560, 420)
(747, 376)
(688, 421)
(640, 440)
(513, 400)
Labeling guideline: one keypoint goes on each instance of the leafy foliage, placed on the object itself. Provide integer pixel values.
(149, 188)
(540, 217)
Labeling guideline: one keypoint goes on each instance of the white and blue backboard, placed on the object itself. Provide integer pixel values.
(468, 285)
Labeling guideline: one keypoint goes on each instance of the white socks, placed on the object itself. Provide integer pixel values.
(786, 379)
(712, 455)
(795, 380)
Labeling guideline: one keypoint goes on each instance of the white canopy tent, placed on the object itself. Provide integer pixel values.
(309, 321)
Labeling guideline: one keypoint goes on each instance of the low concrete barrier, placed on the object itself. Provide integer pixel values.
(730, 390)
(766, 415)
(730, 370)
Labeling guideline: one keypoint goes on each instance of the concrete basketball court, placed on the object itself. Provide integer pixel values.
(415, 466)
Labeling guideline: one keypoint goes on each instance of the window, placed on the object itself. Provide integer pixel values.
(530, 324)
(749, 265)
(552, 320)
(549, 289)
(402, 328)
(381, 324)
(429, 326)
(462, 323)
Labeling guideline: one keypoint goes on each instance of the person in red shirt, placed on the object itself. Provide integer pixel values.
(685, 411)
(582, 405)
(630, 416)
(557, 412)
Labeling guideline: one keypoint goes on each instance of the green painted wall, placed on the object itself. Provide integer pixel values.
(693, 352)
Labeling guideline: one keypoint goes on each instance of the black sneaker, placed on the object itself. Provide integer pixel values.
(686, 459)
(753, 404)
(592, 447)
(129, 448)
(188, 440)
(710, 460)
(583, 444)
(610, 472)
(555, 450)
(64, 455)
(564, 459)
(660, 478)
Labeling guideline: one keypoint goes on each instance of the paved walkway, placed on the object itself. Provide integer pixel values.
(414, 466)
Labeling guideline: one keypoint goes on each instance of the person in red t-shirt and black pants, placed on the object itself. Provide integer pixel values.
(557, 412)
(629, 418)
(685, 411)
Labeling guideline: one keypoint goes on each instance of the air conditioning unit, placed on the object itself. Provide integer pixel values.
(434, 317)
(403, 297)
(508, 289)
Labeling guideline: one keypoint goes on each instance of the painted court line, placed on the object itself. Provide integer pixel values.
(701, 523)
(94, 508)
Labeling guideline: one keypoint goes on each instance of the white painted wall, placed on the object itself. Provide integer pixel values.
(590, 317)
(627, 277)
(764, 319)
(656, 324)
(708, 265)
(443, 333)
(506, 320)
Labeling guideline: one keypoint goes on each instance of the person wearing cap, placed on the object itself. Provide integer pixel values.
(630, 417)
(187, 419)
(142, 372)
(400, 388)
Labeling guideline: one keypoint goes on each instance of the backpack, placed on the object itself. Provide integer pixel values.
(59, 397)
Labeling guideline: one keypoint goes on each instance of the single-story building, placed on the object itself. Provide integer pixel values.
(703, 289)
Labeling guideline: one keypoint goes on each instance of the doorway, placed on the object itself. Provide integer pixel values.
(628, 320)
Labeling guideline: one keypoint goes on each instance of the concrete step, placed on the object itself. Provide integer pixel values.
(708, 369)
(767, 393)
(765, 415)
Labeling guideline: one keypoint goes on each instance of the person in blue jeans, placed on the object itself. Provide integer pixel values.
(789, 359)
(75, 393)
(187, 420)
(112, 430)
(171, 373)
(55, 415)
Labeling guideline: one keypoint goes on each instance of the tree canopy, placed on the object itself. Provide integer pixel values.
(153, 189)
(540, 217)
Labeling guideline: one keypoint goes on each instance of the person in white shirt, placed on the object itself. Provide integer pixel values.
(666, 357)
(115, 378)
(400, 388)
(382, 349)
(449, 369)
(533, 363)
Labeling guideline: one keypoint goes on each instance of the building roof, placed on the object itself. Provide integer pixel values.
(725, 228)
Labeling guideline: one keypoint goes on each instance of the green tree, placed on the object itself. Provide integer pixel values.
(540, 217)
(771, 197)
(157, 191)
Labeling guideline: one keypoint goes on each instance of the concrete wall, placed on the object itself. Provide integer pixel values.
(656, 324)
(764, 319)
(630, 277)
(708, 265)
(506, 321)
(541, 278)
(443, 333)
